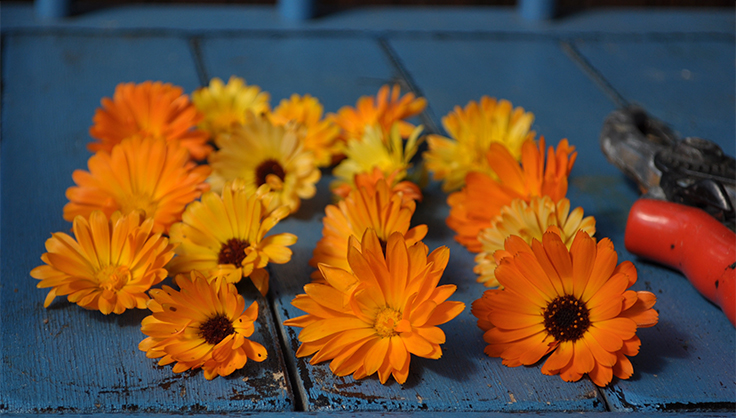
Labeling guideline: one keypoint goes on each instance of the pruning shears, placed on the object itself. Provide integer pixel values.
(685, 218)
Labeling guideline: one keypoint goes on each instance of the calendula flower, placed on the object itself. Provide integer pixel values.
(225, 237)
(383, 111)
(374, 206)
(473, 130)
(148, 174)
(149, 109)
(373, 319)
(320, 135)
(201, 325)
(108, 265)
(390, 155)
(481, 200)
(407, 189)
(225, 106)
(571, 303)
(528, 221)
(260, 153)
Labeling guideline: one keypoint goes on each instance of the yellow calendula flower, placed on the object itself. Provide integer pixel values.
(225, 237)
(528, 221)
(260, 153)
(108, 265)
(571, 303)
(373, 319)
(320, 135)
(201, 325)
(389, 154)
(146, 174)
(225, 105)
(473, 129)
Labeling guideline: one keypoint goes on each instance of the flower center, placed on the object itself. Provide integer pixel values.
(113, 278)
(216, 329)
(139, 202)
(386, 320)
(566, 318)
(269, 167)
(233, 252)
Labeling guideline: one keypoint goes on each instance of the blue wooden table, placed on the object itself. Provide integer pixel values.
(571, 72)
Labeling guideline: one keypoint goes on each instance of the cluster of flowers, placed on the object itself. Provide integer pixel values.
(149, 207)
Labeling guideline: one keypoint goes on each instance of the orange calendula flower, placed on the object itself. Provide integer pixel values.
(571, 303)
(226, 106)
(407, 189)
(473, 130)
(383, 111)
(201, 325)
(528, 221)
(260, 153)
(320, 135)
(225, 237)
(481, 200)
(373, 206)
(108, 266)
(373, 319)
(149, 174)
(149, 109)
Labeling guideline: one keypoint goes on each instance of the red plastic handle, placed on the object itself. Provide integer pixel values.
(689, 240)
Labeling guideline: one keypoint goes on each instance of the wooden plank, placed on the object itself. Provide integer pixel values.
(690, 85)
(66, 359)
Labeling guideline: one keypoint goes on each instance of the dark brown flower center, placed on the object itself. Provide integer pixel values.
(269, 167)
(233, 252)
(216, 329)
(566, 318)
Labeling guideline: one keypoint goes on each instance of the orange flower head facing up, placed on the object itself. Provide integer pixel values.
(407, 189)
(201, 325)
(383, 111)
(260, 153)
(148, 174)
(473, 129)
(528, 221)
(373, 319)
(226, 106)
(373, 206)
(474, 207)
(108, 266)
(571, 303)
(224, 236)
(149, 109)
(320, 135)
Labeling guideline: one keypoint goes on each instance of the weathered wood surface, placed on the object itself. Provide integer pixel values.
(570, 73)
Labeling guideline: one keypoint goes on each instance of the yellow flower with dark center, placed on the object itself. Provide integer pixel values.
(571, 303)
(226, 106)
(528, 221)
(108, 266)
(149, 110)
(372, 206)
(473, 130)
(260, 153)
(225, 237)
(139, 174)
(201, 325)
(320, 135)
(373, 319)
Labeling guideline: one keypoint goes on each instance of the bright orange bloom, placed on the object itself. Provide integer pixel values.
(320, 135)
(372, 206)
(372, 319)
(140, 174)
(382, 111)
(149, 109)
(201, 325)
(528, 221)
(481, 200)
(573, 304)
(473, 130)
(108, 266)
(408, 190)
